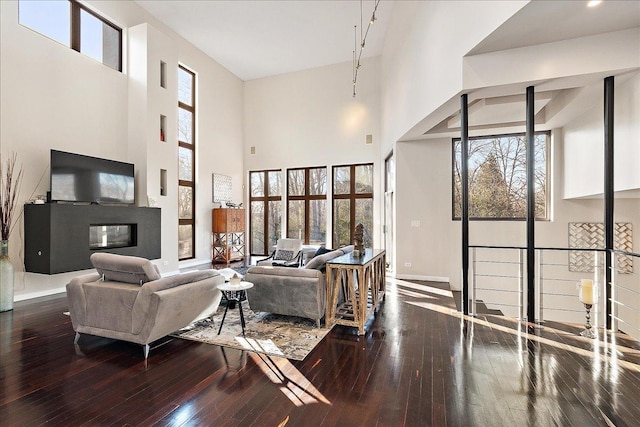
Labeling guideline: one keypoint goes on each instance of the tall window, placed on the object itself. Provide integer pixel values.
(307, 204)
(265, 211)
(352, 202)
(75, 26)
(498, 177)
(186, 163)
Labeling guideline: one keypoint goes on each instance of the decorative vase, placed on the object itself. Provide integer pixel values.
(235, 280)
(6, 278)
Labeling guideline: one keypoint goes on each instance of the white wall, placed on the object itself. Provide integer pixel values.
(309, 118)
(423, 56)
(219, 137)
(584, 149)
(54, 97)
(423, 182)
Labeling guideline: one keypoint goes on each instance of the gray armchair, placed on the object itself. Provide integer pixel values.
(128, 300)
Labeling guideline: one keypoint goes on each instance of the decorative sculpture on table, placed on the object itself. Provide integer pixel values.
(588, 296)
(358, 239)
(235, 280)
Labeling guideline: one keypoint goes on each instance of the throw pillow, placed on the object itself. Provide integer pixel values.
(320, 262)
(321, 250)
(283, 254)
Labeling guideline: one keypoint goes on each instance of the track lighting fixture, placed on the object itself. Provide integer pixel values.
(363, 39)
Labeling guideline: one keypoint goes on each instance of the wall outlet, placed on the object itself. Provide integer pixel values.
(165, 262)
(407, 264)
(415, 223)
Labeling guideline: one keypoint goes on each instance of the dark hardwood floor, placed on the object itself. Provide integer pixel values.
(419, 364)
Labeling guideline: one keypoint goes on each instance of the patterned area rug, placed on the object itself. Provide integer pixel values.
(272, 334)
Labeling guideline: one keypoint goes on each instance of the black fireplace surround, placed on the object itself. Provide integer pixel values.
(62, 237)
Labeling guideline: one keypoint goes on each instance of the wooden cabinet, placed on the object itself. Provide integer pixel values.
(228, 227)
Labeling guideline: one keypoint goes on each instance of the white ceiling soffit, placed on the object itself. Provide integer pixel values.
(255, 39)
(495, 108)
(557, 102)
(543, 21)
(498, 110)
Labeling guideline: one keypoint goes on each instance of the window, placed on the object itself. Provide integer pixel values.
(74, 25)
(265, 210)
(498, 177)
(186, 163)
(352, 202)
(307, 205)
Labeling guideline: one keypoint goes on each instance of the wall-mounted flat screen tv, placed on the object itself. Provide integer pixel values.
(78, 178)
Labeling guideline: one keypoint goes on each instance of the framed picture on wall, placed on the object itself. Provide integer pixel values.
(221, 188)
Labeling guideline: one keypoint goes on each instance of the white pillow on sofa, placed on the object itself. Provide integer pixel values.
(320, 262)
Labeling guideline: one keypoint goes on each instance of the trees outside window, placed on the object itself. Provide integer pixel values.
(498, 177)
(307, 204)
(265, 211)
(352, 203)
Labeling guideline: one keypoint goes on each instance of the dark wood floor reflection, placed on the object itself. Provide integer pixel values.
(418, 365)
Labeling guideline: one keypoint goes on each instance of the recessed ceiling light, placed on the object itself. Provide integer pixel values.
(594, 3)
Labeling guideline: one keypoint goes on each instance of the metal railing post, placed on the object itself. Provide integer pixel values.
(612, 297)
(473, 283)
(521, 314)
(540, 289)
(598, 282)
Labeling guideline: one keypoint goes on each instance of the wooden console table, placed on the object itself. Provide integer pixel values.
(363, 283)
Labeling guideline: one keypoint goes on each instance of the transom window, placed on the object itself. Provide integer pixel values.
(498, 177)
(75, 26)
(307, 204)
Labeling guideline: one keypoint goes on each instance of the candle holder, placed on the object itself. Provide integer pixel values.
(588, 293)
(588, 330)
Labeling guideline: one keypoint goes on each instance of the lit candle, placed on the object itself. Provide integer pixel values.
(586, 291)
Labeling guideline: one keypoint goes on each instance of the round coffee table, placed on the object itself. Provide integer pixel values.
(235, 293)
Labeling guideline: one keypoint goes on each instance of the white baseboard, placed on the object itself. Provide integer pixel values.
(38, 294)
(423, 278)
(193, 263)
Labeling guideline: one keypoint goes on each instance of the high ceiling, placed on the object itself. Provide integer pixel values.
(255, 39)
(543, 21)
(261, 38)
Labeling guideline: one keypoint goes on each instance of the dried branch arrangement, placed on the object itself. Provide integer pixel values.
(9, 190)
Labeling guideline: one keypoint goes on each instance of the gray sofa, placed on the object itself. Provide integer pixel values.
(292, 291)
(127, 299)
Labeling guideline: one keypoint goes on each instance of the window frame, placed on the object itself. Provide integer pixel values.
(352, 196)
(192, 147)
(306, 197)
(547, 174)
(75, 39)
(265, 199)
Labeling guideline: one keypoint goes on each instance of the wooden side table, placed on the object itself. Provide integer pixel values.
(234, 293)
(363, 282)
